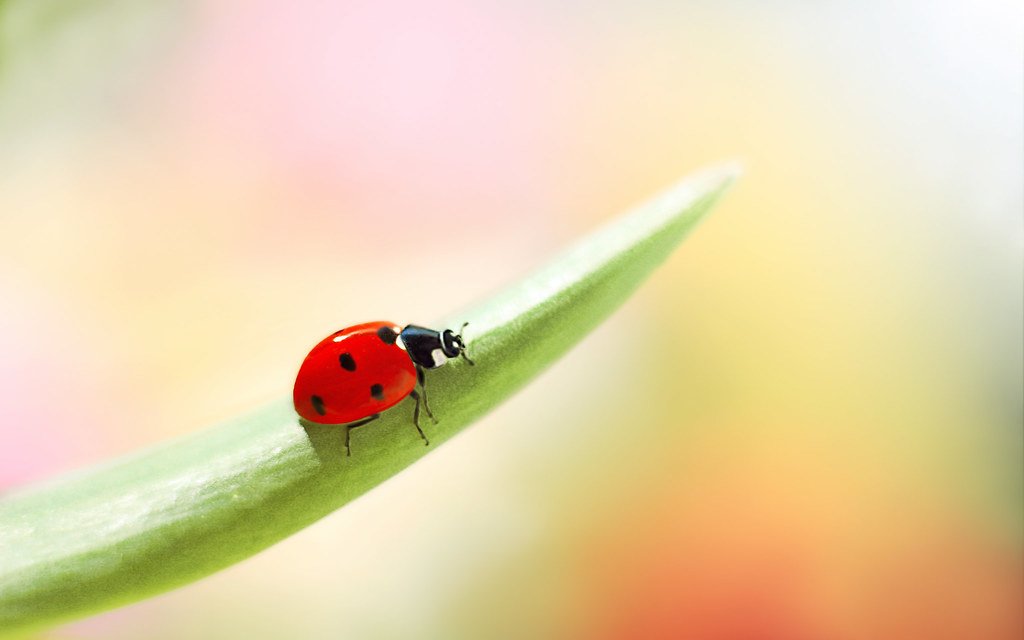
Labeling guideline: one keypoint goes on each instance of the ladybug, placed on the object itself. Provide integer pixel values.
(353, 375)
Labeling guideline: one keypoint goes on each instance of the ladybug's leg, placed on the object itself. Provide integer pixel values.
(352, 425)
(423, 387)
(416, 417)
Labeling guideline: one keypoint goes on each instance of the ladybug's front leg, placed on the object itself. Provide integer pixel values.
(423, 388)
(416, 416)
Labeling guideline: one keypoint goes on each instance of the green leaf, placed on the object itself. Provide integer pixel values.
(165, 517)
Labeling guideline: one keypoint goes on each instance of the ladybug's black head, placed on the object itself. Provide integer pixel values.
(452, 344)
(431, 349)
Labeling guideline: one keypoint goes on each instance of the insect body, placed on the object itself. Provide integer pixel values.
(353, 375)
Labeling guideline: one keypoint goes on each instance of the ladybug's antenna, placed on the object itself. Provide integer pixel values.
(462, 350)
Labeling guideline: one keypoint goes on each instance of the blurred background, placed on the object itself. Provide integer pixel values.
(826, 440)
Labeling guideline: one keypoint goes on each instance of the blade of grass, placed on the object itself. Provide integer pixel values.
(165, 517)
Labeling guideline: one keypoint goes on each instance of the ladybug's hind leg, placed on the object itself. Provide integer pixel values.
(423, 389)
(416, 417)
(352, 425)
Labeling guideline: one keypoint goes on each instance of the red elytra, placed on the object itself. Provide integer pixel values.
(352, 375)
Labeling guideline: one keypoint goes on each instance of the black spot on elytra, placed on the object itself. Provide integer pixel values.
(377, 391)
(318, 405)
(387, 335)
(348, 363)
